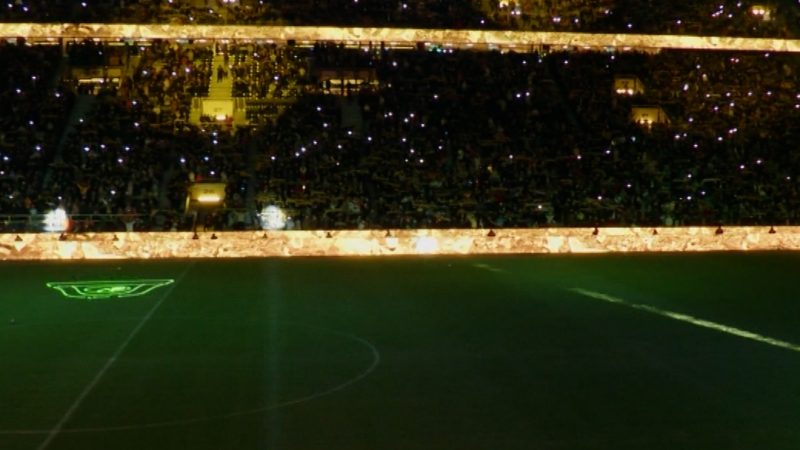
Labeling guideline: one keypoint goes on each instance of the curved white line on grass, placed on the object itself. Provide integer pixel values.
(376, 359)
(690, 319)
(59, 427)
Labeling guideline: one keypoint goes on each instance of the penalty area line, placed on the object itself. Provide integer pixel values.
(690, 319)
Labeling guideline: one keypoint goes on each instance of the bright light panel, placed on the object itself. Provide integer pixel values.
(56, 221)
(272, 218)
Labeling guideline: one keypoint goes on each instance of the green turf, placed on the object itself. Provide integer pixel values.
(404, 353)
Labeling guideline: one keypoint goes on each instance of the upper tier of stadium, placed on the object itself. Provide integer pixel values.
(519, 41)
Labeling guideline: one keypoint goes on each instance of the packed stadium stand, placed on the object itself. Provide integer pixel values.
(370, 136)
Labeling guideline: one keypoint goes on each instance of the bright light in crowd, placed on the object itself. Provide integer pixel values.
(272, 218)
(56, 221)
(209, 198)
(761, 11)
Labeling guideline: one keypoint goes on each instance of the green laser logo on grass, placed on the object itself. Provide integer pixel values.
(93, 290)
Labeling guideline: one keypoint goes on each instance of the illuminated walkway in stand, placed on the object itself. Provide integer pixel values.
(521, 41)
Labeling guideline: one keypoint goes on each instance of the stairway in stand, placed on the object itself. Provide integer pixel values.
(219, 104)
(220, 90)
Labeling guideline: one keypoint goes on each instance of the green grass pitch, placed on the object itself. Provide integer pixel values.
(404, 353)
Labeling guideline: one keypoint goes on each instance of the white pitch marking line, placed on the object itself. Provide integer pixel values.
(376, 360)
(690, 319)
(89, 387)
(487, 267)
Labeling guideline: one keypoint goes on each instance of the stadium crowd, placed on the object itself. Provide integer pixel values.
(443, 139)
(775, 18)
(471, 139)
(31, 125)
(266, 71)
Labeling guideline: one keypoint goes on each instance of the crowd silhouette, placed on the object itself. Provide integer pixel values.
(437, 138)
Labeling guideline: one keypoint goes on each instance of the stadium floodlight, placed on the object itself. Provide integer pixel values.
(56, 221)
(272, 218)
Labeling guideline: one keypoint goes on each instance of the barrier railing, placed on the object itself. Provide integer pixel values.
(16, 223)
(157, 221)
